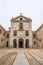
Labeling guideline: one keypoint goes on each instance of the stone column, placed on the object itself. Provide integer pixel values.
(24, 43)
(17, 44)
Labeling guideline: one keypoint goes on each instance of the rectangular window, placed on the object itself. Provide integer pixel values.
(34, 35)
(4, 34)
(26, 33)
(21, 25)
(0, 31)
(15, 33)
(7, 35)
(34, 43)
(1, 39)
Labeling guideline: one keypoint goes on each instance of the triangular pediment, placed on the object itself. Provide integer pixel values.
(20, 17)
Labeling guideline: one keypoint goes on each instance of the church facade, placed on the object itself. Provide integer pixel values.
(20, 34)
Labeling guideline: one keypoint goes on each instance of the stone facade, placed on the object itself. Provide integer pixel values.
(40, 36)
(34, 39)
(2, 36)
(21, 32)
(38, 39)
(17, 37)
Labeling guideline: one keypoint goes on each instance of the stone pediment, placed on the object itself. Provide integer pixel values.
(20, 18)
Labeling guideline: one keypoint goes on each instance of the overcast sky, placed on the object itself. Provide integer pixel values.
(28, 8)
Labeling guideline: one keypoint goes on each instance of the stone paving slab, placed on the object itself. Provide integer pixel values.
(21, 59)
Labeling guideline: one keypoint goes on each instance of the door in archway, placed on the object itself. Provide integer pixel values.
(27, 43)
(7, 44)
(20, 43)
(14, 43)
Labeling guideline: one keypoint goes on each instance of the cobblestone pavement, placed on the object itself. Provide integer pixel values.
(8, 58)
(34, 56)
(21, 59)
(22, 56)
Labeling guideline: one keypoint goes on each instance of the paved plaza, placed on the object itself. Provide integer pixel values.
(21, 56)
(21, 59)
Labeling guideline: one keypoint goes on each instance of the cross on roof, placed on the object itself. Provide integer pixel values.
(20, 13)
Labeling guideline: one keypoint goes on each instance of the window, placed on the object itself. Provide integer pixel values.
(20, 18)
(34, 36)
(34, 43)
(40, 40)
(15, 33)
(1, 39)
(21, 25)
(4, 34)
(7, 44)
(27, 33)
(7, 35)
(0, 31)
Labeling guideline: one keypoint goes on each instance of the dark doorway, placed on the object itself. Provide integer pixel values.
(7, 44)
(20, 43)
(14, 43)
(27, 43)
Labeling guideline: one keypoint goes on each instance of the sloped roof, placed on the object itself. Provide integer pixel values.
(2, 27)
(39, 28)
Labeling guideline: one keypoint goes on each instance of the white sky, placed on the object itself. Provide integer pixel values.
(29, 8)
